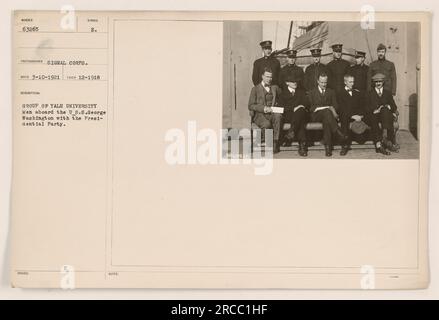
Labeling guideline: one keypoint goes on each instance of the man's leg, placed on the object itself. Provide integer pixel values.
(327, 119)
(386, 118)
(276, 120)
(289, 136)
(345, 122)
(299, 124)
(373, 120)
(262, 122)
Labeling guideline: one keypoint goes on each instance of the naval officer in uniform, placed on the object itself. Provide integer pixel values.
(291, 69)
(359, 71)
(338, 68)
(313, 71)
(268, 61)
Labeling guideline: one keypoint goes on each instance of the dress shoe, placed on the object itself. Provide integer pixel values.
(344, 150)
(328, 151)
(392, 146)
(382, 150)
(303, 152)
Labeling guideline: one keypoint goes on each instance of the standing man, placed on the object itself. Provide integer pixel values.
(313, 71)
(359, 71)
(282, 58)
(291, 69)
(381, 109)
(351, 108)
(295, 104)
(385, 67)
(267, 61)
(263, 97)
(323, 108)
(338, 67)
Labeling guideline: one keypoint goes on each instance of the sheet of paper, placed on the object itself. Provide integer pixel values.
(277, 109)
(121, 177)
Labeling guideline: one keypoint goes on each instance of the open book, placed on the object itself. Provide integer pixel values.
(135, 166)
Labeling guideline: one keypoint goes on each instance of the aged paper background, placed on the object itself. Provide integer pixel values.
(102, 199)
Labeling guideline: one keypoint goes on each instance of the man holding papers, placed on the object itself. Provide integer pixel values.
(262, 105)
(323, 108)
(295, 104)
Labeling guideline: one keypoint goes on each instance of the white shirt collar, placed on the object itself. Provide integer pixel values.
(291, 90)
(320, 89)
(266, 88)
(379, 91)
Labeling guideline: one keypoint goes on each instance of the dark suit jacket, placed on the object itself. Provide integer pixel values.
(312, 73)
(350, 105)
(260, 64)
(257, 100)
(290, 101)
(374, 101)
(316, 99)
(295, 71)
(337, 70)
(360, 76)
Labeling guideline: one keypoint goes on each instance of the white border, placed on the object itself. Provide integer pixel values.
(6, 7)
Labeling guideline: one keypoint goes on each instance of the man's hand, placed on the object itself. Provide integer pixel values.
(267, 109)
(357, 117)
(298, 107)
(378, 109)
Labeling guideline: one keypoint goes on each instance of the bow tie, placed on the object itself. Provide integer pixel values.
(266, 85)
(349, 90)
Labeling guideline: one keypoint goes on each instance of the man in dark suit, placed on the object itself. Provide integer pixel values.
(267, 61)
(295, 103)
(382, 109)
(291, 69)
(338, 67)
(359, 71)
(313, 71)
(351, 108)
(323, 108)
(263, 97)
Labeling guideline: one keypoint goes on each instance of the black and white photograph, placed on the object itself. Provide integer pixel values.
(323, 89)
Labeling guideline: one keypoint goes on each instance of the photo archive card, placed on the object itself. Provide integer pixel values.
(248, 150)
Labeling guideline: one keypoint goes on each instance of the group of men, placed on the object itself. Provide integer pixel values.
(339, 96)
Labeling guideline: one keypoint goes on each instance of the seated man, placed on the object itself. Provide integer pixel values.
(263, 97)
(380, 110)
(351, 108)
(323, 108)
(295, 103)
